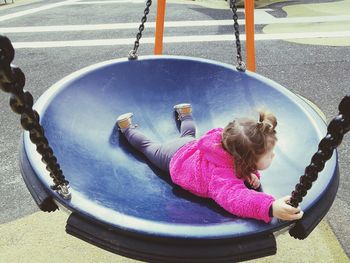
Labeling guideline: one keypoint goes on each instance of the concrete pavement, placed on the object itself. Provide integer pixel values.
(40, 238)
(334, 9)
(318, 73)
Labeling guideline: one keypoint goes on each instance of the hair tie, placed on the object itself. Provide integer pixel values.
(263, 126)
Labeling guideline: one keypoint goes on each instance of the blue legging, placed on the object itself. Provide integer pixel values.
(160, 154)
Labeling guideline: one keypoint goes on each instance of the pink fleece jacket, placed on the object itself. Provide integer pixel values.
(205, 169)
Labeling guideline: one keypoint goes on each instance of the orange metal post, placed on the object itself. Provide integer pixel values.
(158, 47)
(249, 29)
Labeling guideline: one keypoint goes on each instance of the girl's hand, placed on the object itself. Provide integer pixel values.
(282, 210)
(254, 181)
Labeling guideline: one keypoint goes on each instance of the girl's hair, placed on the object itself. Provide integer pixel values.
(247, 140)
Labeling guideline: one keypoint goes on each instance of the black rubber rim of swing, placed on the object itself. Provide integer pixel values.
(160, 249)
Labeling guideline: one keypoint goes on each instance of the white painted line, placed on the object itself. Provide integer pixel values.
(262, 15)
(303, 35)
(177, 39)
(297, 20)
(107, 2)
(170, 24)
(144, 1)
(35, 10)
(62, 28)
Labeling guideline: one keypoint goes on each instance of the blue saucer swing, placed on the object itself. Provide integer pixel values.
(120, 202)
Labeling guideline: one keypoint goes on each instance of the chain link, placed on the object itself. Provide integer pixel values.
(133, 52)
(336, 130)
(240, 64)
(12, 80)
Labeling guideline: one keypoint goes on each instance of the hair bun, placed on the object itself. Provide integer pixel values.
(267, 122)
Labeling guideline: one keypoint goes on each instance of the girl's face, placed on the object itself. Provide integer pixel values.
(265, 160)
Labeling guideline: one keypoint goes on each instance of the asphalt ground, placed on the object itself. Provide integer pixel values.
(316, 71)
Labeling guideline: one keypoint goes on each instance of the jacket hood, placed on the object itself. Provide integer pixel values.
(211, 148)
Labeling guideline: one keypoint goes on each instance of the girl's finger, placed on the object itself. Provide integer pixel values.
(292, 210)
(286, 198)
(297, 216)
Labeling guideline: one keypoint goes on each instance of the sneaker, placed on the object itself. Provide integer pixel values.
(124, 121)
(183, 109)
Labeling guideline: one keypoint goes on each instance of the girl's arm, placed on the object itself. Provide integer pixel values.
(230, 193)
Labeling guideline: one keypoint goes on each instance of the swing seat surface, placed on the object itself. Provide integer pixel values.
(113, 185)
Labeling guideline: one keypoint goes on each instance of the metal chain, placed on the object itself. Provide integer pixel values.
(12, 80)
(335, 132)
(132, 53)
(240, 64)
